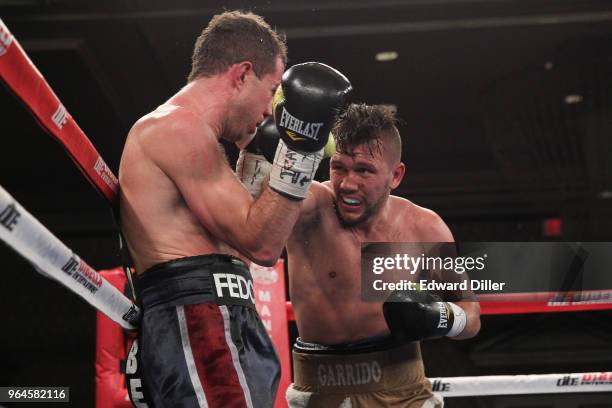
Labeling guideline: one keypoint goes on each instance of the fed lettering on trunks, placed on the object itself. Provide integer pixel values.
(232, 288)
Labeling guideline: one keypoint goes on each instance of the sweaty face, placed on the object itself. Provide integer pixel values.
(257, 99)
(361, 182)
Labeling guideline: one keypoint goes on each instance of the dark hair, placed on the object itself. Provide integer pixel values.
(232, 37)
(373, 125)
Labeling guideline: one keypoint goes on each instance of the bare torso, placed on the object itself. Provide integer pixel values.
(325, 271)
(155, 219)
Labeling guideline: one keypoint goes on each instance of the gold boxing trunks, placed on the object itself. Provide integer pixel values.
(381, 375)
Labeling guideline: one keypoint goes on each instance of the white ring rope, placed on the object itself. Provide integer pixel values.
(522, 384)
(26, 235)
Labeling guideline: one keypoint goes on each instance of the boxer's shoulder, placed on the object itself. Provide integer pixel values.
(169, 122)
(320, 197)
(322, 192)
(171, 132)
(427, 224)
(416, 222)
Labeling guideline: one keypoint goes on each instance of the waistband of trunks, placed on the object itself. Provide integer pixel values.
(367, 345)
(396, 367)
(215, 278)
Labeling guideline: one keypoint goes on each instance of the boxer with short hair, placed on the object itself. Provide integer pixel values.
(192, 228)
(337, 328)
(353, 353)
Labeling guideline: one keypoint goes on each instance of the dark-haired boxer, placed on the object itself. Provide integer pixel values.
(353, 353)
(191, 227)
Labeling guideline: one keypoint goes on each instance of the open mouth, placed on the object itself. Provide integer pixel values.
(350, 202)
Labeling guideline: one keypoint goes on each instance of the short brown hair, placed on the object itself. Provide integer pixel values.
(232, 37)
(372, 125)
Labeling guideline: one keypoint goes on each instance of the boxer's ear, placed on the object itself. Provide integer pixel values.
(239, 73)
(397, 175)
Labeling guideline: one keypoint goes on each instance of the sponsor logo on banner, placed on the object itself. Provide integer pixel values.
(298, 129)
(568, 380)
(596, 379)
(440, 386)
(6, 39)
(585, 379)
(264, 275)
(60, 117)
(71, 265)
(349, 374)
(90, 274)
(9, 217)
(82, 274)
(105, 173)
(584, 297)
(131, 316)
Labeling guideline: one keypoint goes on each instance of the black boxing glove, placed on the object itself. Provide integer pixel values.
(266, 139)
(305, 106)
(254, 162)
(309, 98)
(415, 315)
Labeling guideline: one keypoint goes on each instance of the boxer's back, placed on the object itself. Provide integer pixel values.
(156, 222)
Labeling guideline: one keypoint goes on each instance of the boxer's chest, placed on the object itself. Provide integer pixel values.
(337, 263)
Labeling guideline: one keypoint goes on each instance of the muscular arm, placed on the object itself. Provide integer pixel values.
(190, 156)
(434, 229)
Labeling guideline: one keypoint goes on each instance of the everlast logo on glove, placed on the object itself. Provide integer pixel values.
(293, 124)
(234, 289)
(311, 91)
(443, 316)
